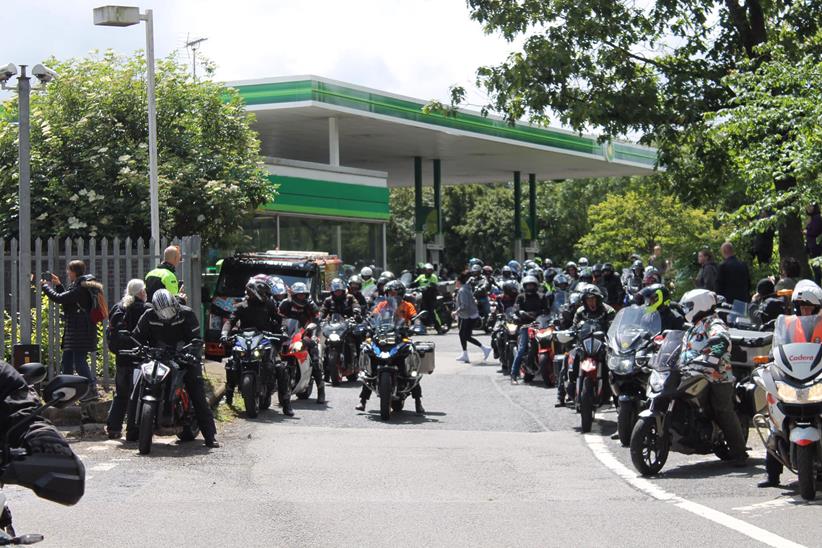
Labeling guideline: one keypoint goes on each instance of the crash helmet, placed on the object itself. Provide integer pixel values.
(388, 275)
(299, 292)
(510, 288)
(514, 266)
(637, 267)
(586, 275)
(806, 294)
(366, 273)
(381, 282)
(338, 288)
(395, 286)
(473, 260)
(655, 296)
(257, 288)
(428, 267)
(487, 270)
(547, 263)
(538, 260)
(278, 288)
(548, 275)
(529, 265)
(536, 273)
(476, 269)
(571, 265)
(597, 269)
(506, 272)
(355, 284)
(165, 305)
(697, 304)
(607, 267)
(590, 290)
(561, 281)
(582, 262)
(530, 284)
(574, 299)
(651, 277)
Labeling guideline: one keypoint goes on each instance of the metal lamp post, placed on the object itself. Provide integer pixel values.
(126, 16)
(23, 88)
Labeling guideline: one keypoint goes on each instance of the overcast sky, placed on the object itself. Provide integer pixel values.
(412, 47)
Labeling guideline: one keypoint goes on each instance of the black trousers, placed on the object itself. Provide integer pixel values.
(122, 404)
(466, 333)
(722, 404)
(196, 391)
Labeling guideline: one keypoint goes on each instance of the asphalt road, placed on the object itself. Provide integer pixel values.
(491, 464)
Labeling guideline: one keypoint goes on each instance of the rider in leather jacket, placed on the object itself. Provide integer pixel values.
(301, 307)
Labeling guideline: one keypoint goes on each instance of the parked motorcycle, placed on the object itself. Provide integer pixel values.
(794, 399)
(339, 352)
(58, 478)
(678, 417)
(630, 344)
(393, 363)
(296, 359)
(252, 363)
(160, 399)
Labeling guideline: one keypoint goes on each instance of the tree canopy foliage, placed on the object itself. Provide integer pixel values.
(89, 154)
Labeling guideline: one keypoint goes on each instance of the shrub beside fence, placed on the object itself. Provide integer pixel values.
(114, 262)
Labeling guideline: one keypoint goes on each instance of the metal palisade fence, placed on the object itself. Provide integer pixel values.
(112, 261)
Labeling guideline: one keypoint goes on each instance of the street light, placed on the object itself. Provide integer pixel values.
(126, 16)
(44, 75)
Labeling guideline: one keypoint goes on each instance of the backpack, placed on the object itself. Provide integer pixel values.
(99, 307)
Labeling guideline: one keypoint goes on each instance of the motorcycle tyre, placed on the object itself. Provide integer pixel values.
(305, 394)
(586, 405)
(626, 418)
(190, 430)
(146, 429)
(642, 429)
(805, 455)
(546, 368)
(249, 396)
(334, 367)
(385, 397)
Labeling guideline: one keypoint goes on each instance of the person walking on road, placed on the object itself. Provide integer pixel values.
(468, 314)
(734, 280)
(80, 332)
(708, 271)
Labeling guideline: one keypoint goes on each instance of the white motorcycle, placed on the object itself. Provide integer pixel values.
(793, 386)
(296, 358)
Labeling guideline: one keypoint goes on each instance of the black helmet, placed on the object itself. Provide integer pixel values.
(597, 269)
(258, 289)
(637, 265)
(165, 305)
(586, 275)
(652, 277)
(547, 263)
(395, 285)
(607, 267)
(510, 288)
(388, 275)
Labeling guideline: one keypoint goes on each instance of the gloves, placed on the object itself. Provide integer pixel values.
(48, 442)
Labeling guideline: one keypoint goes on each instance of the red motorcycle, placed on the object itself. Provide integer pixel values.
(540, 359)
(296, 359)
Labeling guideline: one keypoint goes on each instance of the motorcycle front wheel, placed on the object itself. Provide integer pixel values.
(626, 417)
(334, 367)
(190, 429)
(249, 396)
(649, 448)
(546, 368)
(586, 405)
(146, 429)
(805, 455)
(385, 397)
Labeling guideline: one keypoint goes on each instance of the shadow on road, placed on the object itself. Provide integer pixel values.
(714, 468)
(403, 417)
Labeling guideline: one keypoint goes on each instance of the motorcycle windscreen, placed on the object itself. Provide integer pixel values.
(386, 315)
(630, 326)
(797, 329)
(668, 354)
(291, 326)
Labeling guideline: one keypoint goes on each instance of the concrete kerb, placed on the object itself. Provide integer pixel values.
(88, 421)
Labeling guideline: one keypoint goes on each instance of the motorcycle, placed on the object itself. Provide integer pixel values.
(678, 415)
(630, 345)
(489, 321)
(160, 398)
(393, 363)
(587, 371)
(442, 318)
(540, 358)
(508, 341)
(339, 353)
(296, 359)
(794, 399)
(252, 362)
(53, 477)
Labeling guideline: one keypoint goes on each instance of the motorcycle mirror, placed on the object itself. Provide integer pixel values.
(33, 372)
(64, 390)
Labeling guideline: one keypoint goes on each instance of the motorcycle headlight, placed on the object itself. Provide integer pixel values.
(657, 380)
(298, 346)
(148, 370)
(257, 354)
(334, 337)
(790, 394)
(620, 365)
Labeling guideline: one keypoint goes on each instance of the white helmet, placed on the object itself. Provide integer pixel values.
(366, 273)
(582, 262)
(806, 293)
(428, 266)
(697, 304)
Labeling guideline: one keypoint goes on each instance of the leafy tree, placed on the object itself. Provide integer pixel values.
(90, 155)
(651, 68)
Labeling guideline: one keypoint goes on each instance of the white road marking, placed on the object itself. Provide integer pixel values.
(103, 467)
(604, 455)
(100, 447)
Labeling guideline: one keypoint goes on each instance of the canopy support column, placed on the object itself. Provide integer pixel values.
(518, 249)
(333, 142)
(533, 247)
(437, 246)
(419, 213)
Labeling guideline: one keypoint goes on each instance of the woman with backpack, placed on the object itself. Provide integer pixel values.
(79, 331)
(124, 317)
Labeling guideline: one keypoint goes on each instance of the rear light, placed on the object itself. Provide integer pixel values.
(804, 442)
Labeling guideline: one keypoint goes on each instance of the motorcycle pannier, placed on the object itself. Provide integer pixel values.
(426, 350)
(746, 345)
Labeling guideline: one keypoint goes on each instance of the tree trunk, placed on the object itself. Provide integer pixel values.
(792, 234)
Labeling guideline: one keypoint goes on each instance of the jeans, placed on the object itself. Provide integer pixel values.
(75, 360)
(484, 306)
(522, 351)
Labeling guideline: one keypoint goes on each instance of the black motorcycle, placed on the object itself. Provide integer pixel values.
(160, 399)
(630, 344)
(679, 415)
(586, 369)
(253, 364)
(509, 331)
(58, 478)
(339, 351)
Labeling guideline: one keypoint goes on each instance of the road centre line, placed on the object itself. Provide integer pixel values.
(604, 455)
